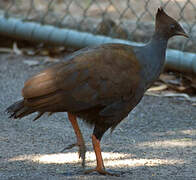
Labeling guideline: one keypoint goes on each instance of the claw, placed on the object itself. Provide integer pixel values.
(69, 147)
(81, 151)
(82, 155)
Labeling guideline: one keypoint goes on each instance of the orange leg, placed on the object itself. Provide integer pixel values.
(100, 166)
(80, 141)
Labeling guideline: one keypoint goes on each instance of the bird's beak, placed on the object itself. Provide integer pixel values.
(182, 33)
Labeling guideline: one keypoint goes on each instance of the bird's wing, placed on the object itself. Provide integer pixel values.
(92, 77)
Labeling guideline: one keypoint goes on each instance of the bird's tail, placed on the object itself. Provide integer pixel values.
(19, 110)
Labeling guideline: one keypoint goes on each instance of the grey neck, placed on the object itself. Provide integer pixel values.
(153, 59)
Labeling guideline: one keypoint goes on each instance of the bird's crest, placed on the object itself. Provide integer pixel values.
(160, 13)
(166, 26)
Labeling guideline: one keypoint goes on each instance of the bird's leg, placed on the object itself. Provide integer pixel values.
(100, 165)
(80, 141)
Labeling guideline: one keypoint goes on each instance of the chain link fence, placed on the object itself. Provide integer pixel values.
(125, 19)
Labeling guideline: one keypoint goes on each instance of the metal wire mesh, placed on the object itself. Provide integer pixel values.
(126, 19)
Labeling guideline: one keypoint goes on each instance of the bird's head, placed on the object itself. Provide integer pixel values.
(167, 26)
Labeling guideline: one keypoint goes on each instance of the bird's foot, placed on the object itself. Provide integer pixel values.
(81, 151)
(100, 171)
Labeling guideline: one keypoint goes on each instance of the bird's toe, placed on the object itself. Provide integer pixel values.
(82, 153)
(81, 150)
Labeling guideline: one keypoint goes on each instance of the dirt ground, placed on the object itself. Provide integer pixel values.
(156, 142)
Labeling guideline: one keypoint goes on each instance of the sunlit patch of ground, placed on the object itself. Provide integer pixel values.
(185, 142)
(110, 159)
(189, 132)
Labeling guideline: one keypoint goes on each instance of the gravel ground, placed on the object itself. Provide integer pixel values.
(157, 141)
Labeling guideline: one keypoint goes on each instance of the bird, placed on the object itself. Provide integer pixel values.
(99, 85)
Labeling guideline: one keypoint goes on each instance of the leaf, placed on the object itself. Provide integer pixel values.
(15, 49)
(158, 88)
(170, 94)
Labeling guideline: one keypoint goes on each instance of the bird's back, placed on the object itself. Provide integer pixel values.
(103, 79)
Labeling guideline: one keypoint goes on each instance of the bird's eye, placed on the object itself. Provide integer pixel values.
(172, 26)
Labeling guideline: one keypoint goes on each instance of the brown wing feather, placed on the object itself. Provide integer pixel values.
(41, 84)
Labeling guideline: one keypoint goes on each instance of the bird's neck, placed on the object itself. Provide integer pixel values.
(154, 58)
(159, 38)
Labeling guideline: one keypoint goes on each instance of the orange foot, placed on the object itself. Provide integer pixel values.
(100, 171)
